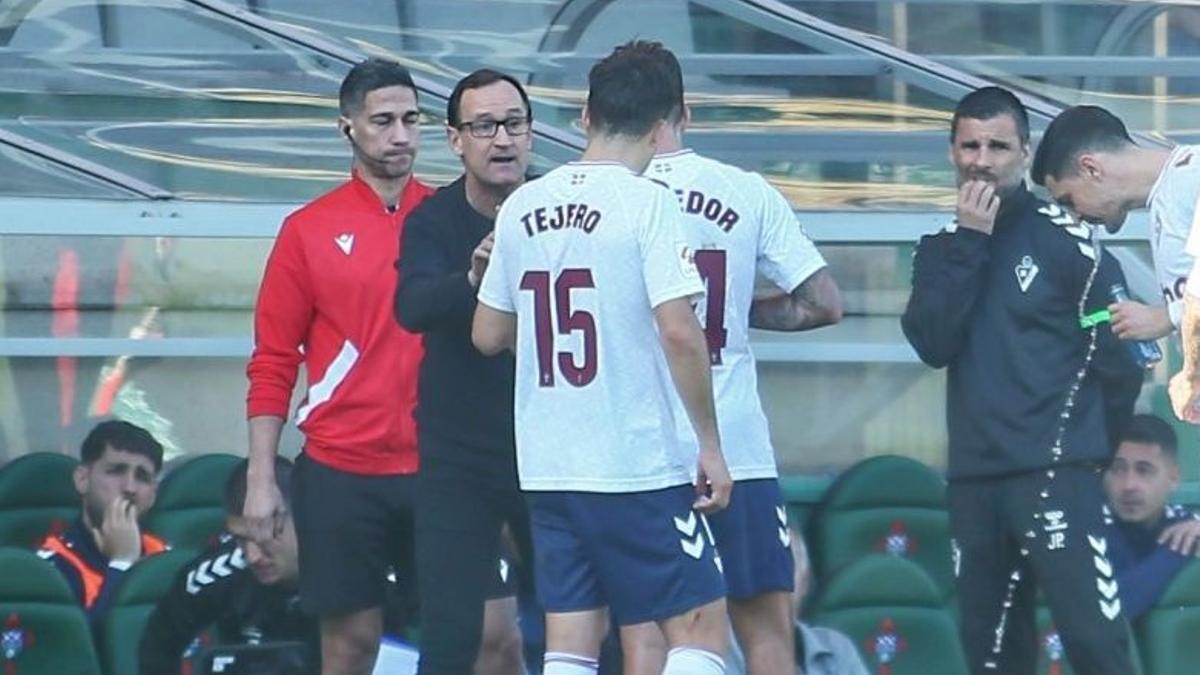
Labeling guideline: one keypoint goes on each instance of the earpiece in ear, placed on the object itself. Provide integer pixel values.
(348, 133)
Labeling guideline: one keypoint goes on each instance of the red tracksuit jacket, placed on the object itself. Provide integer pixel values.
(326, 299)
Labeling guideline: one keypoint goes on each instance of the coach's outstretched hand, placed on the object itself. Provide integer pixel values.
(713, 484)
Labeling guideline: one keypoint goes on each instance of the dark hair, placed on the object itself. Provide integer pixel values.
(368, 76)
(633, 88)
(235, 487)
(120, 435)
(477, 80)
(988, 102)
(1084, 128)
(1152, 430)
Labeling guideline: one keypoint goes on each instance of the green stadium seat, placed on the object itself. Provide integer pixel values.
(886, 504)
(146, 583)
(801, 494)
(189, 510)
(894, 612)
(42, 627)
(1167, 634)
(1052, 658)
(36, 490)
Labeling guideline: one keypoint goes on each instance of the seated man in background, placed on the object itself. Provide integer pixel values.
(1151, 541)
(117, 481)
(250, 593)
(819, 651)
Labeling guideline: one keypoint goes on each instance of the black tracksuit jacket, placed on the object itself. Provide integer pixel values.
(464, 397)
(1002, 312)
(218, 590)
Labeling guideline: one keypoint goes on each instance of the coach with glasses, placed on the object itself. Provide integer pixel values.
(467, 486)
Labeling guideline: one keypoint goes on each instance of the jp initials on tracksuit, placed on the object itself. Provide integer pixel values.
(1034, 404)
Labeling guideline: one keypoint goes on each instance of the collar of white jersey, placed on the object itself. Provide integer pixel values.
(1162, 175)
(599, 164)
(682, 152)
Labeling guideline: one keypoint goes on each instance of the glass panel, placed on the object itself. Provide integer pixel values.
(190, 405)
(185, 99)
(170, 287)
(815, 427)
(1051, 48)
(855, 139)
(28, 175)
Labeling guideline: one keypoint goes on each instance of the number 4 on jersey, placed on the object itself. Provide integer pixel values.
(711, 265)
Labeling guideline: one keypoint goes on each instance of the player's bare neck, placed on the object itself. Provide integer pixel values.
(1135, 170)
(633, 153)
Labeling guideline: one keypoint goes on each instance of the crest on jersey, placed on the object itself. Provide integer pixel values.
(344, 241)
(897, 541)
(886, 645)
(1026, 271)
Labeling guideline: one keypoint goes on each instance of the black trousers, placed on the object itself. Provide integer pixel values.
(465, 495)
(1016, 533)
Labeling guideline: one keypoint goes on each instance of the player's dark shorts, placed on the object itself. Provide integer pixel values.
(647, 556)
(753, 540)
(354, 531)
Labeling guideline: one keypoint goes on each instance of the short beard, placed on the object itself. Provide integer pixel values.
(94, 516)
(1008, 191)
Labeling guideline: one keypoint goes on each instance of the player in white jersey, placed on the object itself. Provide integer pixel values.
(1090, 165)
(589, 275)
(741, 228)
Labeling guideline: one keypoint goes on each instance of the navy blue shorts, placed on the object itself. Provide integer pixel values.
(753, 539)
(647, 556)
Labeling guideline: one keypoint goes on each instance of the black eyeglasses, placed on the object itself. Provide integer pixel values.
(515, 126)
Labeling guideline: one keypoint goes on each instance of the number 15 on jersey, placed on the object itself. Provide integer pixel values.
(568, 321)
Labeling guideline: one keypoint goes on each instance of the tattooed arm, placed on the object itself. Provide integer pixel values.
(814, 303)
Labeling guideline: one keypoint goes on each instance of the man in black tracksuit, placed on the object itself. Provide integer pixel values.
(467, 486)
(247, 592)
(219, 590)
(1035, 401)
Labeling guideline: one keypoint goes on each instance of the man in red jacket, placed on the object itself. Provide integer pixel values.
(326, 301)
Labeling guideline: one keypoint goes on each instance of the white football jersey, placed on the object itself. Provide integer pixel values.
(1172, 205)
(740, 226)
(582, 256)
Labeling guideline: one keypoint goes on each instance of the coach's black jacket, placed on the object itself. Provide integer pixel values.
(1002, 312)
(463, 395)
(219, 590)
